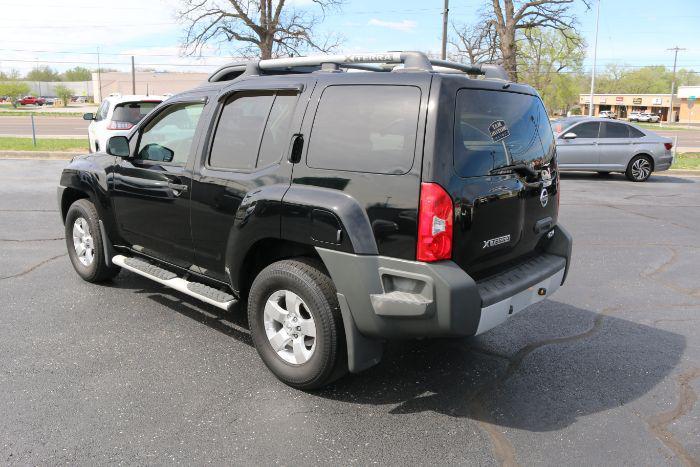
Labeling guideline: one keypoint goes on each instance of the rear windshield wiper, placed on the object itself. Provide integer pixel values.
(519, 167)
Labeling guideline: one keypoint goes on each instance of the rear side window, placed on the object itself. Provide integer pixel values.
(586, 130)
(252, 130)
(635, 133)
(365, 129)
(614, 130)
(493, 128)
(132, 112)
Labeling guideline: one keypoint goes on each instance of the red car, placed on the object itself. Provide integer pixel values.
(31, 100)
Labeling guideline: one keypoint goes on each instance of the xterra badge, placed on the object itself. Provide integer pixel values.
(496, 241)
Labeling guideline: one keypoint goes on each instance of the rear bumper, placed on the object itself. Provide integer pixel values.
(394, 298)
(663, 162)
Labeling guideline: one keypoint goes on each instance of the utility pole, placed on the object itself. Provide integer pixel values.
(595, 52)
(670, 118)
(133, 76)
(99, 75)
(445, 12)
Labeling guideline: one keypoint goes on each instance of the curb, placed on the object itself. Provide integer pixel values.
(39, 155)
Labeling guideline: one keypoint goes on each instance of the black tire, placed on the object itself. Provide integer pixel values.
(639, 168)
(97, 270)
(308, 279)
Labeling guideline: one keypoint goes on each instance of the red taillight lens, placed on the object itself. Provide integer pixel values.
(668, 146)
(119, 125)
(434, 224)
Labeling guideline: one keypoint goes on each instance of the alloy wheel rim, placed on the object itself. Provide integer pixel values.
(289, 327)
(83, 242)
(641, 168)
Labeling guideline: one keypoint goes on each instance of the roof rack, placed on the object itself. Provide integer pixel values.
(379, 62)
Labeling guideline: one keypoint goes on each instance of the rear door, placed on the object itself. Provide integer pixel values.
(614, 146)
(501, 213)
(581, 151)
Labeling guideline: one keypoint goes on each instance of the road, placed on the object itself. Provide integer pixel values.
(686, 138)
(606, 372)
(45, 126)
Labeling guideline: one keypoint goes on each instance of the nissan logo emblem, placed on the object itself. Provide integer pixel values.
(544, 197)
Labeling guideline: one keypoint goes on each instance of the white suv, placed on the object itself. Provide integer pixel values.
(116, 116)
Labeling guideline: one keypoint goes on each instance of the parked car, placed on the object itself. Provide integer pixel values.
(31, 100)
(344, 208)
(601, 145)
(608, 114)
(115, 116)
(643, 117)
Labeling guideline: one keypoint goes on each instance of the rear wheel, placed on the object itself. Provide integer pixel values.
(85, 243)
(296, 325)
(639, 169)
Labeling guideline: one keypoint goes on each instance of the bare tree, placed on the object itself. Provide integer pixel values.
(474, 44)
(263, 28)
(509, 16)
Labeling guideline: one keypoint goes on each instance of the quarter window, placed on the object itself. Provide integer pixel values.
(635, 133)
(168, 138)
(365, 129)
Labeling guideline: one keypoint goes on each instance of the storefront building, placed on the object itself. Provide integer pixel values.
(685, 109)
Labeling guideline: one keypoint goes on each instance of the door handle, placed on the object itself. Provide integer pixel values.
(178, 187)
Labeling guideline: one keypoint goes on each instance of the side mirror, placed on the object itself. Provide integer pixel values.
(89, 116)
(118, 146)
(569, 135)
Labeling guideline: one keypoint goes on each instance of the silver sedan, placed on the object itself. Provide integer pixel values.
(598, 144)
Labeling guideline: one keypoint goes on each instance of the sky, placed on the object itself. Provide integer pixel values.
(68, 33)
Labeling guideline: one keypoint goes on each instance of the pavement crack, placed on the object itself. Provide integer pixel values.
(658, 424)
(647, 216)
(32, 268)
(663, 268)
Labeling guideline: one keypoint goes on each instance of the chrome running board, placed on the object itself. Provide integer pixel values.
(197, 290)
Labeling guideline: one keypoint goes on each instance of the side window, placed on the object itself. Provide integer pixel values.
(239, 130)
(586, 130)
(614, 130)
(276, 136)
(102, 111)
(168, 138)
(365, 129)
(635, 133)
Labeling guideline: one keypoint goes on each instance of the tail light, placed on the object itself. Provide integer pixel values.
(119, 125)
(668, 146)
(435, 217)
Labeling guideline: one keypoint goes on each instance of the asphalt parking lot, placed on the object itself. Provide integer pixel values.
(607, 372)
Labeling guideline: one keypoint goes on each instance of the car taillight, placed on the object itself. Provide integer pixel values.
(668, 146)
(119, 125)
(434, 224)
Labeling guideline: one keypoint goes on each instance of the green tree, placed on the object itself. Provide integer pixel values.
(43, 73)
(548, 61)
(11, 75)
(64, 93)
(77, 74)
(14, 90)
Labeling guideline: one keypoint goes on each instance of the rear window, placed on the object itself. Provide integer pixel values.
(365, 129)
(132, 112)
(495, 128)
(614, 130)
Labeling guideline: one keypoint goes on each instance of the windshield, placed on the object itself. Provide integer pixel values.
(497, 128)
(132, 112)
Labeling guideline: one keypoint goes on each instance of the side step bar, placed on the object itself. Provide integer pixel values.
(197, 290)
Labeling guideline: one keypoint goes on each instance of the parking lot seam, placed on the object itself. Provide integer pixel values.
(32, 268)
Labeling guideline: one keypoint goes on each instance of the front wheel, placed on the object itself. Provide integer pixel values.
(296, 324)
(639, 169)
(85, 243)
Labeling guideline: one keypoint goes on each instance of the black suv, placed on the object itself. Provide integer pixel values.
(348, 199)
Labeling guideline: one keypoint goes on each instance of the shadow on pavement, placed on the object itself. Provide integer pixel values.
(544, 386)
